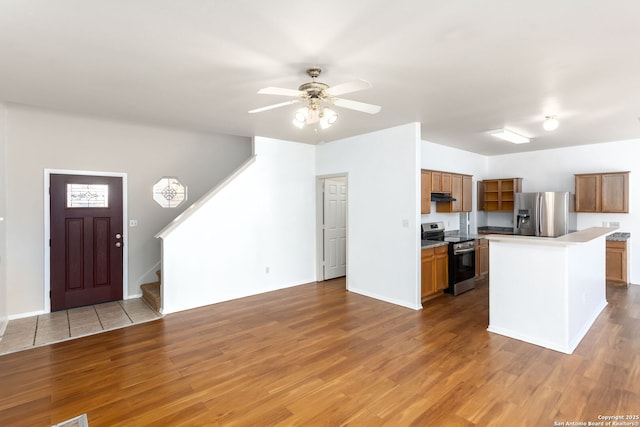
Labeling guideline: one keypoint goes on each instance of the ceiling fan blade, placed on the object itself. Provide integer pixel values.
(348, 87)
(280, 91)
(270, 107)
(355, 105)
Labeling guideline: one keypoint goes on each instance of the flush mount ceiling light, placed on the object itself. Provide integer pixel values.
(550, 123)
(510, 136)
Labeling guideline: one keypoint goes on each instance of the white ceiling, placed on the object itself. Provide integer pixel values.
(460, 68)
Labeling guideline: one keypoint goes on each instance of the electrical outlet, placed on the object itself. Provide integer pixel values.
(133, 223)
(614, 223)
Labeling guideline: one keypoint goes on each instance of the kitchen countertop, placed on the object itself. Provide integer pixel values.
(619, 237)
(575, 238)
(469, 236)
(432, 243)
(495, 230)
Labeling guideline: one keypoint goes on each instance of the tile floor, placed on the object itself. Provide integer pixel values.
(73, 323)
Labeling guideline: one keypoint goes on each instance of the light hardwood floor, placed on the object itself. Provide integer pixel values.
(318, 355)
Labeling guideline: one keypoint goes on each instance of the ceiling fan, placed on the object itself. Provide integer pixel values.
(316, 95)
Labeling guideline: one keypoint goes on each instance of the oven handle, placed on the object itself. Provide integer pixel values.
(463, 251)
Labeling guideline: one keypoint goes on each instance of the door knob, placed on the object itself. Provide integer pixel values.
(118, 244)
(118, 236)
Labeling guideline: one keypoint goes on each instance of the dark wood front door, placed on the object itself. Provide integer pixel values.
(86, 240)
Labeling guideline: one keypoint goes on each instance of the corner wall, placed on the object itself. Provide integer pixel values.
(3, 211)
(253, 235)
(383, 172)
(40, 139)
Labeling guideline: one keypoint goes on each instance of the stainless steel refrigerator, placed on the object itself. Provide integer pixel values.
(546, 214)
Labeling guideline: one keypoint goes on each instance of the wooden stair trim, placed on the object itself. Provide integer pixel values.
(151, 293)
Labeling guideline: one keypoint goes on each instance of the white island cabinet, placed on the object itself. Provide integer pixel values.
(547, 291)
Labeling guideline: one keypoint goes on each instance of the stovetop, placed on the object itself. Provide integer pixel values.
(459, 238)
(435, 231)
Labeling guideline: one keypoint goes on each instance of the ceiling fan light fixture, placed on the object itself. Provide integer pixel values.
(297, 124)
(327, 118)
(300, 117)
(550, 123)
(316, 94)
(510, 136)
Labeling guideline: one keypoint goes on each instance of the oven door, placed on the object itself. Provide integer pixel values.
(463, 265)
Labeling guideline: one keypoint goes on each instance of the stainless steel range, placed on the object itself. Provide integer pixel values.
(462, 257)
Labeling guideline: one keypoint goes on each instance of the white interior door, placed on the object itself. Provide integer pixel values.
(335, 227)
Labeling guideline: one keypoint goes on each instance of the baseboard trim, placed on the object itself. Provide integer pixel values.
(385, 299)
(29, 314)
(3, 326)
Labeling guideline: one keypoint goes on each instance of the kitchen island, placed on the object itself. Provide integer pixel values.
(547, 291)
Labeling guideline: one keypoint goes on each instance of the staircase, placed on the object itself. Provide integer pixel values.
(151, 293)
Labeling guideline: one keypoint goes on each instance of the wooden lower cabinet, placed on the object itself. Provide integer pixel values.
(616, 268)
(434, 271)
(482, 259)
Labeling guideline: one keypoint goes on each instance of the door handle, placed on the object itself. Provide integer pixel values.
(463, 251)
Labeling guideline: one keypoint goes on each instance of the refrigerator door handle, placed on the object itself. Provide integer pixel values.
(540, 218)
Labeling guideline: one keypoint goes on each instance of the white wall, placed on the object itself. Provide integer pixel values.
(442, 158)
(569, 290)
(253, 235)
(552, 170)
(40, 139)
(3, 194)
(383, 173)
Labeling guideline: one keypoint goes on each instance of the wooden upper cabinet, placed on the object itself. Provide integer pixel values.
(498, 194)
(461, 191)
(602, 192)
(436, 182)
(480, 195)
(447, 182)
(615, 192)
(588, 193)
(460, 187)
(425, 192)
(467, 193)
(456, 193)
(440, 182)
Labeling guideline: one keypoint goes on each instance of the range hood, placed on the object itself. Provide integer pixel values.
(442, 197)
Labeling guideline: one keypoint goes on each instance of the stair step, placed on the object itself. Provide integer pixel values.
(151, 294)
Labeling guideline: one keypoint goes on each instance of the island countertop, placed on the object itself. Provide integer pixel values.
(575, 238)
